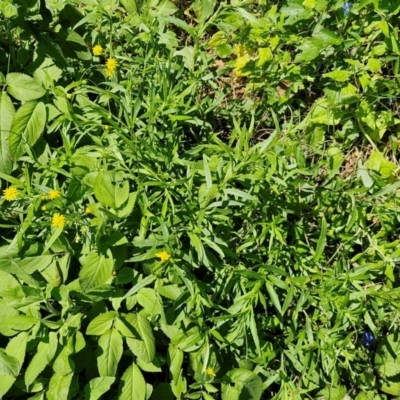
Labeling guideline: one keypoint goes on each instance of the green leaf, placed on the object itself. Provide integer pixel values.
(133, 384)
(321, 241)
(27, 126)
(148, 299)
(338, 75)
(265, 55)
(144, 349)
(111, 347)
(23, 87)
(42, 358)
(250, 383)
(223, 50)
(97, 387)
(274, 297)
(96, 270)
(111, 189)
(7, 112)
(101, 323)
(16, 347)
(310, 50)
(374, 65)
(8, 365)
(59, 386)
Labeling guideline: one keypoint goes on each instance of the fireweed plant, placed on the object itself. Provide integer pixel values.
(199, 200)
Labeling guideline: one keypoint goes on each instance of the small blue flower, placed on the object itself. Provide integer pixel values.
(346, 7)
(368, 339)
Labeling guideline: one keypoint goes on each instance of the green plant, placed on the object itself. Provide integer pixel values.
(200, 200)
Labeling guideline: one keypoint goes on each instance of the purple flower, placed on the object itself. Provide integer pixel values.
(346, 7)
(368, 339)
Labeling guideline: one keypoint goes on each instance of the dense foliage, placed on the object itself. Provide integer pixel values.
(199, 199)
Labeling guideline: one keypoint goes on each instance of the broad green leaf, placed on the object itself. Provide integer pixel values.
(8, 365)
(27, 126)
(16, 347)
(338, 75)
(7, 112)
(265, 55)
(250, 383)
(6, 382)
(223, 50)
(43, 356)
(18, 323)
(374, 65)
(111, 189)
(175, 361)
(110, 346)
(133, 384)
(23, 87)
(149, 300)
(96, 270)
(144, 349)
(101, 323)
(97, 387)
(10, 288)
(59, 386)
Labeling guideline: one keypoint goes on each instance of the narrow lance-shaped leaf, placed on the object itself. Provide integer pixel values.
(321, 241)
(7, 112)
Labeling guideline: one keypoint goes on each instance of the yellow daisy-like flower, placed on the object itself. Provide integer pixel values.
(163, 255)
(54, 194)
(58, 220)
(109, 72)
(210, 371)
(111, 66)
(11, 193)
(88, 210)
(97, 50)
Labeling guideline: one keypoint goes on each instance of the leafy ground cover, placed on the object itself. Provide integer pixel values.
(199, 199)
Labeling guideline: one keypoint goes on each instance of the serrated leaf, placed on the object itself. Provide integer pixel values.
(101, 323)
(97, 387)
(43, 356)
(111, 347)
(148, 299)
(23, 87)
(111, 189)
(8, 365)
(144, 349)
(133, 384)
(27, 126)
(96, 270)
(59, 387)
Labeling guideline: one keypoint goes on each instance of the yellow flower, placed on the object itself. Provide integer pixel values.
(210, 371)
(11, 193)
(58, 220)
(111, 66)
(106, 127)
(111, 63)
(163, 255)
(97, 50)
(88, 210)
(54, 194)
(44, 208)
